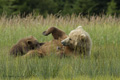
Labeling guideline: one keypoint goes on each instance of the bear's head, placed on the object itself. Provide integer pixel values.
(32, 42)
(24, 45)
(76, 38)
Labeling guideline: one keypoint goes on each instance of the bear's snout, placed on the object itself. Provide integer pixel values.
(64, 43)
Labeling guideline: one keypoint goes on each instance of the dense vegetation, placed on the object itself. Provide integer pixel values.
(62, 7)
(103, 63)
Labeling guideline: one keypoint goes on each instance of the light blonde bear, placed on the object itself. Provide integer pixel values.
(79, 40)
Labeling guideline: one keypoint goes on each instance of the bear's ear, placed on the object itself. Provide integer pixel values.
(79, 27)
(83, 36)
(30, 36)
(29, 42)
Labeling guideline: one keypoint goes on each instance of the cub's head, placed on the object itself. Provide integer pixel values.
(33, 43)
(24, 45)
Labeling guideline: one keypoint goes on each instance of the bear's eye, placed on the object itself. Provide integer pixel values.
(70, 39)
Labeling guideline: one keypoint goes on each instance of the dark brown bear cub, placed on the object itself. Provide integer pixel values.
(24, 45)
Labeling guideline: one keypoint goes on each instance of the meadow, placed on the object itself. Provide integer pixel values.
(103, 64)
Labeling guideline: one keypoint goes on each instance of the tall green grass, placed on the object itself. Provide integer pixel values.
(103, 63)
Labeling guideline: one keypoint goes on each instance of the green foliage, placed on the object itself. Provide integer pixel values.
(68, 7)
(5, 6)
(111, 7)
(63, 7)
(38, 6)
(84, 7)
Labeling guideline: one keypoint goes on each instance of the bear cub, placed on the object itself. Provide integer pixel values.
(24, 45)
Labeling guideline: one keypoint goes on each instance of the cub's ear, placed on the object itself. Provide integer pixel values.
(30, 36)
(29, 42)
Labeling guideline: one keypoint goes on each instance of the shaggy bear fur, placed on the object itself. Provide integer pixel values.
(79, 40)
